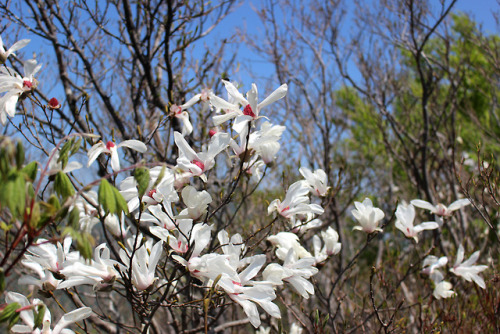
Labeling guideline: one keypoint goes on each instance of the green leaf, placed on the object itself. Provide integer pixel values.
(63, 153)
(39, 313)
(141, 175)
(30, 170)
(9, 311)
(110, 199)
(106, 197)
(121, 204)
(74, 218)
(76, 146)
(13, 193)
(63, 186)
(19, 155)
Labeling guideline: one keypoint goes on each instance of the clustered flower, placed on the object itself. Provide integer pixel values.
(176, 212)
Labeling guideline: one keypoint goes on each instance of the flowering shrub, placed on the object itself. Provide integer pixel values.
(148, 239)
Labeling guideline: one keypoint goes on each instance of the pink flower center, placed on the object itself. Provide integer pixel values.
(176, 109)
(27, 85)
(285, 209)
(248, 111)
(237, 283)
(151, 193)
(110, 145)
(199, 164)
(212, 133)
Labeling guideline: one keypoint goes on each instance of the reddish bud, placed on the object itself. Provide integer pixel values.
(212, 132)
(54, 104)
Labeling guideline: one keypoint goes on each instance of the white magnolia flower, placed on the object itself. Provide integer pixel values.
(441, 209)
(4, 54)
(143, 264)
(196, 202)
(295, 202)
(251, 107)
(14, 86)
(28, 317)
(367, 216)
(443, 289)
(331, 245)
(284, 241)
(317, 180)
(180, 113)
(296, 272)
(431, 265)
(111, 148)
(99, 272)
(467, 269)
(405, 215)
(198, 163)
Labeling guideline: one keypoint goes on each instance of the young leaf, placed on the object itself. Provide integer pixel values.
(63, 186)
(106, 197)
(30, 170)
(141, 175)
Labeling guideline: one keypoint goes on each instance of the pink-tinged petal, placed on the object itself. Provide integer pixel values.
(220, 103)
(458, 204)
(21, 329)
(31, 68)
(94, 152)
(234, 92)
(275, 96)
(423, 205)
(115, 159)
(136, 145)
(219, 119)
(253, 268)
(460, 256)
(18, 45)
(9, 103)
(184, 147)
(253, 96)
(154, 257)
(72, 317)
(250, 310)
(191, 101)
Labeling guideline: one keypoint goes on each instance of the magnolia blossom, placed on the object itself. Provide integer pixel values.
(198, 163)
(367, 216)
(99, 272)
(251, 107)
(441, 209)
(296, 272)
(14, 86)
(196, 202)
(163, 191)
(405, 214)
(4, 54)
(28, 317)
(143, 264)
(55, 166)
(295, 202)
(286, 241)
(317, 180)
(467, 270)
(180, 113)
(443, 289)
(431, 265)
(331, 245)
(264, 141)
(111, 148)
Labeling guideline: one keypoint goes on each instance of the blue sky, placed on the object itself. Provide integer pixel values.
(244, 17)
